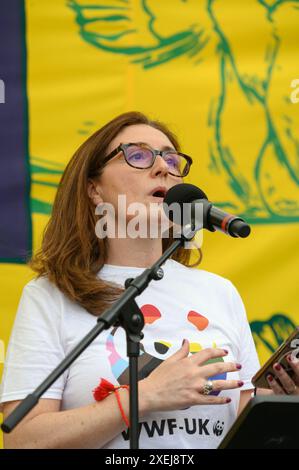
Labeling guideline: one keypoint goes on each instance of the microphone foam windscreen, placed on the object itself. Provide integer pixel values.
(183, 193)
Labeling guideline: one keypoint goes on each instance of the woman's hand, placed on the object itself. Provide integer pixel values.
(179, 381)
(287, 385)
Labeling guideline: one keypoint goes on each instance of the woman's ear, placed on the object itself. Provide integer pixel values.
(94, 192)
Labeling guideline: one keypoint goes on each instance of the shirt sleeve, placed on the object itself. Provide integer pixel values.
(35, 347)
(247, 357)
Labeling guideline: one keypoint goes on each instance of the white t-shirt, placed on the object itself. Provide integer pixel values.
(187, 303)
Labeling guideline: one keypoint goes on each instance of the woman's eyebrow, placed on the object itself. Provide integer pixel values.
(166, 147)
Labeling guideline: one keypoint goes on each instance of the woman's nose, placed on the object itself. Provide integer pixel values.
(160, 166)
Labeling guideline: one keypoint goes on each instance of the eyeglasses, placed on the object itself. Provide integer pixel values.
(141, 156)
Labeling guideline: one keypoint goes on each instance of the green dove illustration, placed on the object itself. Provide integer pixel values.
(264, 186)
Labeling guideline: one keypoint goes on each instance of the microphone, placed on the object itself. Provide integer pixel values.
(213, 218)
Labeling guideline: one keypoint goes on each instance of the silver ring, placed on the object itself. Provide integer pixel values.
(207, 388)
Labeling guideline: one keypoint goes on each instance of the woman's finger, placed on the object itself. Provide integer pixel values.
(277, 389)
(219, 385)
(211, 400)
(294, 363)
(205, 354)
(287, 383)
(219, 368)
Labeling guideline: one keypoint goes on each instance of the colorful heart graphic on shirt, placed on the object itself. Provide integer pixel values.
(147, 362)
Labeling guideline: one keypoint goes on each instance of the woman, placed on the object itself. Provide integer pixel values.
(195, 324)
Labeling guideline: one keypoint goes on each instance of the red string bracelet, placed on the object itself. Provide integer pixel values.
(106, 388)
(120, 406)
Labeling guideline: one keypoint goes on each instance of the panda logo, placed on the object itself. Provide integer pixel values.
(218, 428)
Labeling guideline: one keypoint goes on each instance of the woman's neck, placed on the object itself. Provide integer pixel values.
(139, 252)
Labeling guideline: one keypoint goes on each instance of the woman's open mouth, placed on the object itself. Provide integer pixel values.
(159, 193)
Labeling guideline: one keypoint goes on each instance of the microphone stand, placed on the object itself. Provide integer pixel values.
(125, 312)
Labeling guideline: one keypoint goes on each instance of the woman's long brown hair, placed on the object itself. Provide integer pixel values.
(71, 254)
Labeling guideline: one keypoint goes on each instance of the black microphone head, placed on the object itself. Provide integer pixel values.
(183, 193)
